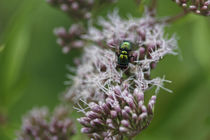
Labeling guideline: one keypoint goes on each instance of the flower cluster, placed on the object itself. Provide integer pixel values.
(122, 115)
(115, 96)
(79, 9)
(70, 39)
(39, 124)
(201, 7)
(98, 68)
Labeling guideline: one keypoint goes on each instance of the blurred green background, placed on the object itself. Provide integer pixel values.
(33, 69)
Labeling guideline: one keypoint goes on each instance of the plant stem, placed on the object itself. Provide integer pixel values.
(138, 2)
(2, 119)
(153, 5)
(130, 138)
(176, 17)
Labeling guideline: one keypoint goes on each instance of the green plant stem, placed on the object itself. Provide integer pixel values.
(138, 2)
(176, 17)
(153, 5)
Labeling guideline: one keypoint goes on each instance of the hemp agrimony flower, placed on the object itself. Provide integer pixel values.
(123, 114)
(82, 11)
(98, 68)
(39, 124)
(78, 9)
(118, 109)
(201, 7)
(70, 39)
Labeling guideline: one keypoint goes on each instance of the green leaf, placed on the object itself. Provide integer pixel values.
(17, 49)
(17, 43)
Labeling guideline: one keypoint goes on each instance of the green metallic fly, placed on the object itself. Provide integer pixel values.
(124, 54)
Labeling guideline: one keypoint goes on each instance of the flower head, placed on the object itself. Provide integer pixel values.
(118, 108)
(123, 114)
(70, 39)
(79, 9)
(98, 69)
(40, 124)
(201, 7)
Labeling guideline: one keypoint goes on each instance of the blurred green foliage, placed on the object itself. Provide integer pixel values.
(33, 69)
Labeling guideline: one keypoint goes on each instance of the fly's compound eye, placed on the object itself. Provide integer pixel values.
(126, 45)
